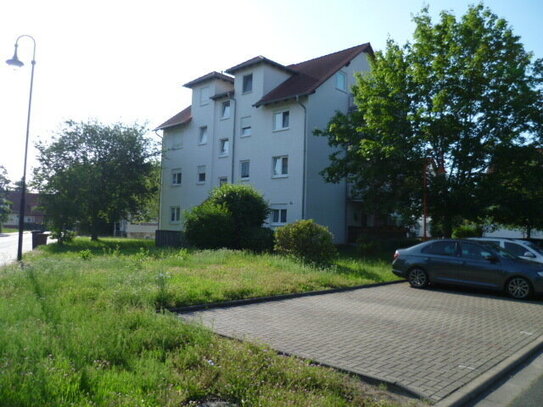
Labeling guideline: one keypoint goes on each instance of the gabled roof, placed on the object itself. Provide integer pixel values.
(309, 75)
(208, 77)
(183, 117)
(258, 60)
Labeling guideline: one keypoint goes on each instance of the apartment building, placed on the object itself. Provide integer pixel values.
(254, 124)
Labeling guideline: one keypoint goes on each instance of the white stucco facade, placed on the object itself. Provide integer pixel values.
(271, 147)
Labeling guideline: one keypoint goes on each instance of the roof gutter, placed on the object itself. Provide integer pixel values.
(304, 159)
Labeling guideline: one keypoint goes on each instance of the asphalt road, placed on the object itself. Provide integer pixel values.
(8, 246)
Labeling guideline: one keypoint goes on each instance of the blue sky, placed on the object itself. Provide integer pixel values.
(120, 60)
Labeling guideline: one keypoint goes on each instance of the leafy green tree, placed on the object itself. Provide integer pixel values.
(515, 184)
(92, 173)
(4, 203)
(440, 105)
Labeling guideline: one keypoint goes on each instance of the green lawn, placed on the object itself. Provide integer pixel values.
(9, 230)
(79, 327)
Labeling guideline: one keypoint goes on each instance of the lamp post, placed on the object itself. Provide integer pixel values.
(14, 61)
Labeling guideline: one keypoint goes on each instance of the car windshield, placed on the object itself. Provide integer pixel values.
(533, 246)
(500, 252)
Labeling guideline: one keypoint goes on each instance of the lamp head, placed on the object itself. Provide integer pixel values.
(14, 61)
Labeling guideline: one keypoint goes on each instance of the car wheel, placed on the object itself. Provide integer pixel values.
(518, 288)
(417, 277)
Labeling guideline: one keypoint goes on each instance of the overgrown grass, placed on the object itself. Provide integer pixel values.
(79, 327)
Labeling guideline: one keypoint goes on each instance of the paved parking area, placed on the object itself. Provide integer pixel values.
(430, 341)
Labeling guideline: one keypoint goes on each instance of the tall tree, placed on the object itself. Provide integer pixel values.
(440, 105)
(4, 203)
(93, 173)
(514, 182)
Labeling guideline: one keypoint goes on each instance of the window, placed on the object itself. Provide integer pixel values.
(278, 216)
(280, 120)
(177, 176)
(473, 251)
(248, 83)
(280, 166)
(222, 181)
(223, 147)
(341, 81)
(244, 169)
(175, 214)
(225, 110)
(446, 248)
(516, 249)
(203, 135)
(201, 174)
(204, 96)
(245, 125)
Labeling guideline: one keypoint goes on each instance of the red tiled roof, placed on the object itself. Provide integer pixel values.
(184, 116)
(207, 77)
(257, 60)
(31, 201)
(311, 74)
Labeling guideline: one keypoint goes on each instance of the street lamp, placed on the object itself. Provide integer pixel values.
(14, 61)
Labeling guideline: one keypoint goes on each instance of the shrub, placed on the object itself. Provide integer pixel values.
(209, 226)
(306, 240)
(258, 239)
(246, 205)
(368, 246)
(467, 229)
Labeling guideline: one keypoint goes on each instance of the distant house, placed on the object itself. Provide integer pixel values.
(33, 215)
(254, 125)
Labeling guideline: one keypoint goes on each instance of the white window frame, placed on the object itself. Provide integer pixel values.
(177, 177)
(282, 216)
(224, 142)
(282, 116)
(202, 138)
(175, 214)
(248, 162)
(243, 90)
(246, 131)
(204, 96)
(222, 181)
(279, 159)
(201, 170)
(225, 110)
(341, 79)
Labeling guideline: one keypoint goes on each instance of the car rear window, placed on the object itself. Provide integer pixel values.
(440, 248)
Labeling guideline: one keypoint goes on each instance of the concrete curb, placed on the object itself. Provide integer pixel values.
(485, 381)
(256, 300)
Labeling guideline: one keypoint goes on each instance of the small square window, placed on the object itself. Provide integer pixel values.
(175, 214)
(244, 169)
(281, 120)
(278, 216)
(246, 131)
(177, 177)
(280, 166)
(204, 96)
(223, 146)
(248, 83)
(222, 181)
(225, 110)
(201, 174)
(341, 81)
(203, 135)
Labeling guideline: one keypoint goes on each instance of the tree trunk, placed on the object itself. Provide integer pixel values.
(528, 231)
(94, 231)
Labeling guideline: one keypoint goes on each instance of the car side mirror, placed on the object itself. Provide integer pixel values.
(529, 254)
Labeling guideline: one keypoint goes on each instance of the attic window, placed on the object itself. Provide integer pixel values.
(341, 81)
(248, 83)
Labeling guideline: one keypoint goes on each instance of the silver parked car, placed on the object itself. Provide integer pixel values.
(521, 248)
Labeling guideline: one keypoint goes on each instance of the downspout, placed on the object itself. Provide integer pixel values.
(304, 160)
(160, 181)
(234, 111)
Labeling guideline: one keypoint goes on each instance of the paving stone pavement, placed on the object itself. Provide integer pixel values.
(429, 341)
